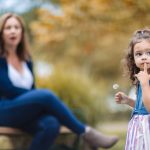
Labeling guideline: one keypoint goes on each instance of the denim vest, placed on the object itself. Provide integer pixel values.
(139, 108)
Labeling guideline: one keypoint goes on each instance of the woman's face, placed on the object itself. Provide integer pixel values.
(142, 54)
(12, 32)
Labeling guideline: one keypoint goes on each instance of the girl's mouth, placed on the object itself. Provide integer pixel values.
(144, 63)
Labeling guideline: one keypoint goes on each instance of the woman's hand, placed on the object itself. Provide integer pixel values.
(121, 98)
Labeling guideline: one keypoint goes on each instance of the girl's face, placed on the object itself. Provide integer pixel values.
(142, 54)
(12, 32)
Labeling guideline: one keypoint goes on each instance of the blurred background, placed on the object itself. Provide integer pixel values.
(77, 47)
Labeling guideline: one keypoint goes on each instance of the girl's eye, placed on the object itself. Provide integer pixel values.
(148, 53)
(138, 54)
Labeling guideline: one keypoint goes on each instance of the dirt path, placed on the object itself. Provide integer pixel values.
(113, 126)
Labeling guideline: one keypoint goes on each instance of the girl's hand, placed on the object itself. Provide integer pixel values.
(121, 98)
(143, 76)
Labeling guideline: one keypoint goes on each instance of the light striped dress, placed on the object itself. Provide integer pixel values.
(138, 133)
(138, 136)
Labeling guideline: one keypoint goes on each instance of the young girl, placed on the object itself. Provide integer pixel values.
(37, 111)
(138, 63)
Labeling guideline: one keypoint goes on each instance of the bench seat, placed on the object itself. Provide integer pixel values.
(14, 139)
(15, 131)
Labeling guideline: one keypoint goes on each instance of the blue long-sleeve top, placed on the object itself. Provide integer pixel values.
(7, 89)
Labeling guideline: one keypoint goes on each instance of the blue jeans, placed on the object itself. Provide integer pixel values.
(40, 113)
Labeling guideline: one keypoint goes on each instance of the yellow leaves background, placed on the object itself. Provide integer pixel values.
(94, 32)
(89, 36)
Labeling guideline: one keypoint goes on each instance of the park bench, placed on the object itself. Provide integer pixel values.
(14, 139)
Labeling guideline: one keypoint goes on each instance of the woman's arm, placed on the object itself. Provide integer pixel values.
(7, 89)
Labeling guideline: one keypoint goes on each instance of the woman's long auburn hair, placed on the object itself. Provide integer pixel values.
(138, 36)
(23, 47)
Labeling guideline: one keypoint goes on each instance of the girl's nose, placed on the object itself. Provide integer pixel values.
(144, 56)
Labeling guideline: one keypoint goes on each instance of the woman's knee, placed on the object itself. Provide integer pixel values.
(46, 95)
(50, 125)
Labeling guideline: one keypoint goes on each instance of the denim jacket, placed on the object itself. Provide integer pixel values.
(139, 108)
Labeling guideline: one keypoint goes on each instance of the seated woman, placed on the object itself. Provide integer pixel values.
(37, 111)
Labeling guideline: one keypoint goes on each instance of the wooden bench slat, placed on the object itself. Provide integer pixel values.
(10, 130)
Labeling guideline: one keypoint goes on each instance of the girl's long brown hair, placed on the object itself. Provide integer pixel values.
(138, 36)
(23, 47)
